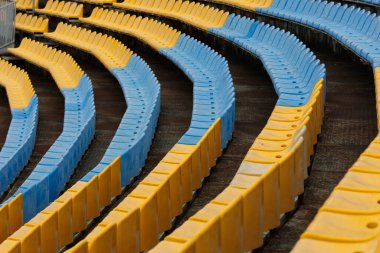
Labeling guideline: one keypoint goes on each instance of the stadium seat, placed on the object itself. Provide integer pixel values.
(356, 28)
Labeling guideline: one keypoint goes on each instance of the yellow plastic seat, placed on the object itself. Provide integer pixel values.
(31, 24)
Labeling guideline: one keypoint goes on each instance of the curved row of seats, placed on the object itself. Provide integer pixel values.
(31, 24)
(21, 136)
(57, 165)
(193, 13)
(155, 33)
(68, 10)
(348, 220)
(136, 223)
(122, 160)
(25, 5)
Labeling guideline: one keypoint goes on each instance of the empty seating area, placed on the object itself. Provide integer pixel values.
(122, 205)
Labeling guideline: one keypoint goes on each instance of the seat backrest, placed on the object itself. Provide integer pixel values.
(60, 6)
